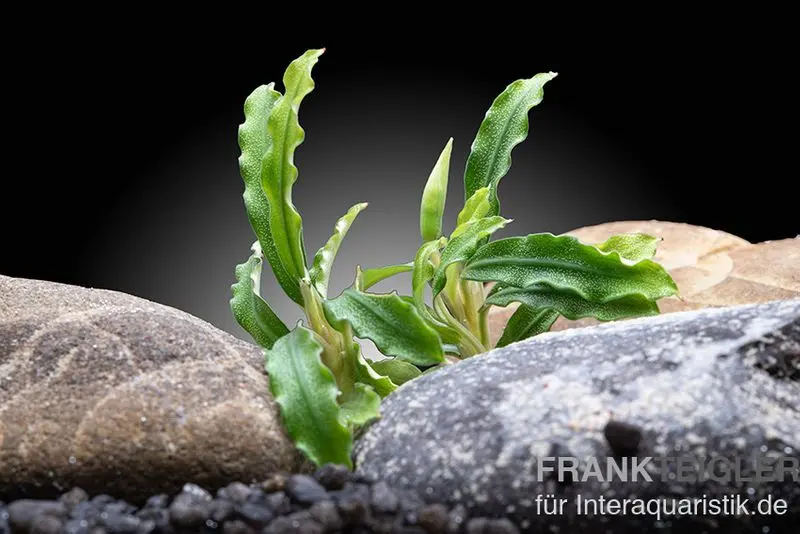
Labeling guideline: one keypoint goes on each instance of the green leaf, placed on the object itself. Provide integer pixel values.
(476, 207)
(527, 322)
(307, 394)
(631, 247)
(323, 260)
(366, 374)
(250, 310)
(434, 196)
(503, 128)
(278, 170)
(571, 304)
(391, 323)
(461, 248)
(563, 261)
(254, 142)
(398, 371)
(362, 405)
(370, 277)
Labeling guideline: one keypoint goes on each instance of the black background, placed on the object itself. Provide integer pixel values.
(121, 139)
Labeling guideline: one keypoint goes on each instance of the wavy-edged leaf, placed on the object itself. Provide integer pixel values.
(278, 173)
(631, 247)
(461, 248)
(563, 261)
(254, 142)
(361, 406)
(571, 304)
(398, 371)
(366, 374)
(476, 207)
(503, 128)
(323, 260)
(370, 277)
(527, 322)
(250, 310)
(434, 196)
(390, 322)
(306, 392)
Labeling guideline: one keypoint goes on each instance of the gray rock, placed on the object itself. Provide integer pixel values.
(113, 393)
(711, 382)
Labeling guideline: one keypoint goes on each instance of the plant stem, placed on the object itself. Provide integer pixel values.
(469, 345)
(335, 347)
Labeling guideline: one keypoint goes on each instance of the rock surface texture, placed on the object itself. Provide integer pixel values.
(116, 394)
(719, 382)
(711, 268)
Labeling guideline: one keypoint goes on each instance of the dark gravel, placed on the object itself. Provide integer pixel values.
(333, 500)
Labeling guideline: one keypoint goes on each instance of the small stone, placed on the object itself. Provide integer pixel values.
(22, 513)
(276, 482)
(197, 493)
(623, 438)
(220, 510)
(297, 523)
(235, 492)
(237, 527)
(157, 501)
(332, 476)
(457, 518)
(478, 525)
(433, 518)
(186, 512)
(279, 503)
(353, 509)
(501, 526)
(121, 524)
(257, 515)
(46, 524)
(383, 499)
(326, 514)
(305, 490)
(73, 497)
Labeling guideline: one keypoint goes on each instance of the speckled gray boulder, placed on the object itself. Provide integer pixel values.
(712, 382)
(120, 395)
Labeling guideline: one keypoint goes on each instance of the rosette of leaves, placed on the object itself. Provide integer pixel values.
(324, 385)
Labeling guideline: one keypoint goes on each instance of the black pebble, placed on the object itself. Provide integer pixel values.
(305, 490)
(333, 500)
(624, 438)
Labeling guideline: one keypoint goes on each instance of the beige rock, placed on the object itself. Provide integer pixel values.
(710, 267)
(120, 395)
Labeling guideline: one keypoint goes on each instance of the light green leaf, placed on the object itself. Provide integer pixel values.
(323, 260)
(366, 374)
(571, 304)
(476, 207)
(527, 322)
(254, 142)
(461, 248)
(362, 405)
(250, 310)
(503, 128)
(563, 261)
(370, 277)
(434, 196)
(278, 170)
(631, 247)
(391, 323)
(307, 394)
(398, 371)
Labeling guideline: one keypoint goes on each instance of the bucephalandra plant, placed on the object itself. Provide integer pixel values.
(324, 385)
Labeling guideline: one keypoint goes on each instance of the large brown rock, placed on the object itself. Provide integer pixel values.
(120, 395)
(711, 268)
